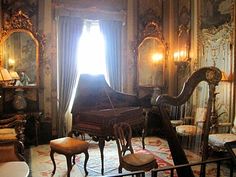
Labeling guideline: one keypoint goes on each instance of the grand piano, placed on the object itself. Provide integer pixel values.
(97, 107)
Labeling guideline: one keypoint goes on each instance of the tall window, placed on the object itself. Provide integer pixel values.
(91, 56)
(91, 49)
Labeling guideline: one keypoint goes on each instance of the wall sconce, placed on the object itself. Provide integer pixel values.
(157, 57)
(11, 62)
(224, 77)
(181, 59)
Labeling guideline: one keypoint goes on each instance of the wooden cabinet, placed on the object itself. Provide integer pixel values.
(9, 96)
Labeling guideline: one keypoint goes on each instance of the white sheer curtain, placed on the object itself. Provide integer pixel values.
(69, 31)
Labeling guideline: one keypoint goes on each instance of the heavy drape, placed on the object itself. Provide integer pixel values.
(112, 31)
(69, 31)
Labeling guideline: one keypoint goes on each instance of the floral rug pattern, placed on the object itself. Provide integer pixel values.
(41, 164)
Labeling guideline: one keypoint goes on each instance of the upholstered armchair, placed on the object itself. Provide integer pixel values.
(217, 140)
(12, 128)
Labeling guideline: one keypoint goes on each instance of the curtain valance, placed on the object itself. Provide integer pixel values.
(91, 13)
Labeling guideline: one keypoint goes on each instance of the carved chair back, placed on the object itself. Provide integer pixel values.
(123, 134)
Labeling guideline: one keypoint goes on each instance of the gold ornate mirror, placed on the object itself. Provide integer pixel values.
(152, 54)
(20, 50)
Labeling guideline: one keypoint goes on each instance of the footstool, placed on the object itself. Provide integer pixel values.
(69, 147)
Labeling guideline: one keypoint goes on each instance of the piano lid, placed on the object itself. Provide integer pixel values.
(93, 93)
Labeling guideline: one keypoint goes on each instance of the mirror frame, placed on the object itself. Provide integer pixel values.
(20, 22)
(152, 30)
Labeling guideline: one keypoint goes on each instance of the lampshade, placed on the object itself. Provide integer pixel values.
(224, 76)
(4, 75)
(14, 75)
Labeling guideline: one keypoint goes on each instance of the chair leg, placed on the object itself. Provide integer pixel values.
(69, 165)
(73, 159)
(53, 161)
(120, 169)
(85, 161)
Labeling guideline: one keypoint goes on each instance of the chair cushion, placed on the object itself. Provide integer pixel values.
(218, 140)
(68, 145)
(186, 130)
(7, 134)
(175, 123)
(138, 159)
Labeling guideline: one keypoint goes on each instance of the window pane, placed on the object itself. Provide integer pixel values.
(91, 51)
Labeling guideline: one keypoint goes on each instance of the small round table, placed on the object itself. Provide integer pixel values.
(13, 169)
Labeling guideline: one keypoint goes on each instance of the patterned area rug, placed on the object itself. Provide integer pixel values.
(41, 165)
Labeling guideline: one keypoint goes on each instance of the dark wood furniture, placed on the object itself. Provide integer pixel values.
(11, 151)
(212, 76)
(128, 159)
(12, 128)
(32, 128)
(19, 32)
(69, 147)
(231, 148)
(97, 107)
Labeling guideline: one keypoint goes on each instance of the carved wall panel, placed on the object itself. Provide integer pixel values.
(149, 11)
(215, 31)
(29, 7)
(216, 50)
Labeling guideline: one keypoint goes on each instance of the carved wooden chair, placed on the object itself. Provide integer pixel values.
(12, 128)
(131, 161)
(196, 129)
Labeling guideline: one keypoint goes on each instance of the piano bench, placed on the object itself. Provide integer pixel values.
(69, 147)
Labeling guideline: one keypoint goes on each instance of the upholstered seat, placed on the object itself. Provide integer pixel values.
(12, 128)
(175, 123)
(8, 134)
(187, 130)
(69, 147)
(192, 130)
(217, 141)
(138, 159)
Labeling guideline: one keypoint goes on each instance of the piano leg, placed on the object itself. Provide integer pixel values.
(145, 126)
(143, 137)
(101, 144)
